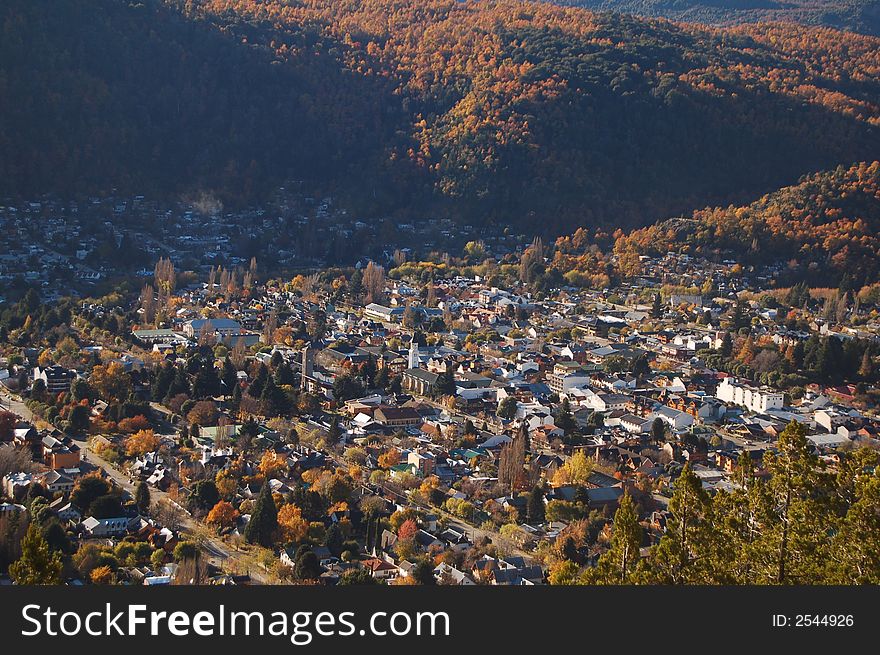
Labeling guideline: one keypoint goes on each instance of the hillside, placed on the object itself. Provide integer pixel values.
(861, 16)
(826, 226)
(489, 111)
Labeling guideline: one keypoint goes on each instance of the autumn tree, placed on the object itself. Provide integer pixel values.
(142, 442)
(222, 515)
(294, 527)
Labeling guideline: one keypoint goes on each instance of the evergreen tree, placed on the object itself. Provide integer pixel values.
(679, 556)
(334, 539)
(229, 376)
(535, 506)
(142, 497)
(38, 564)
(793, 512)
(564, 419)
(618, 565)
(263, 525)
(657, 307)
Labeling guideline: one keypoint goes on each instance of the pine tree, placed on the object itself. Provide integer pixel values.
(619, 564)
(535, 506)
(679, 557)
(793, 512)
(142, 497)
(38, 565)
(657, 307)
(263, 524)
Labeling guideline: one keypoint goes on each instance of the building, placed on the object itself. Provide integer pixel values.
(60, 453)
(754, 399)
(56, 378)
(418, 381)
(217, 327)
(397, 416)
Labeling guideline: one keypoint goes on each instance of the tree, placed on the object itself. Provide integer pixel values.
(658, 430)
(445, 385)
(564, 419)
(679, 557)
(512, 460)
(564, 573)
(357, 577)
(205, 494)
(334, 540)
(203, 413)
(726, 349)
(423, 573)
(793, 511)
(507, 408)
(618, 565)
(38, 564)
(374, 282)
(79, 419)
(263, 524)
(106, 507)
(535, 506)
(306, 565)
(294, 527)
(101, 575)
(7, 426)
(142, 497)
(222, 515)
(111, 381)
(87, 489)
(657, 307)
(142, 442)
(575, 471)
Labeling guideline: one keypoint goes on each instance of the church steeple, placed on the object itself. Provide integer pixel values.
(413, 354)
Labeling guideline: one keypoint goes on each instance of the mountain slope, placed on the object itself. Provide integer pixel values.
(488, 111)
(861, 16)
(827, 225)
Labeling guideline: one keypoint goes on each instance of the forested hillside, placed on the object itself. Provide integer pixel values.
(854, 15)
(825, 226)
(492, 111)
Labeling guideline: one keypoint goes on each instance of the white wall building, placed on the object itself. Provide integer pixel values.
(754, 399)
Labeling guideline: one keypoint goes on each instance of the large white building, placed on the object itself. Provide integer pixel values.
(757, 400)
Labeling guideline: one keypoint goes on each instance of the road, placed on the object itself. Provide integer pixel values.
(219, 553)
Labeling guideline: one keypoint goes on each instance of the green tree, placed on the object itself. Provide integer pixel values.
(507, 408)
(142, 497)
(679, 557)
(263, 524)
(618, 565)
(38, 564)
(793, 512)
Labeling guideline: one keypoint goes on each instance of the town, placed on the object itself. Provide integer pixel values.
(434, 419)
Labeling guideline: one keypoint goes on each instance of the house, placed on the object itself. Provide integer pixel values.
(56, 378)
(380, 569)
(451, 575)
(397, 416)
(109, 527)
(635, 424)
(60, 453)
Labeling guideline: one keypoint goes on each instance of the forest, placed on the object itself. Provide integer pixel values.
(528, 114)
(822, 228)
(861, 16)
